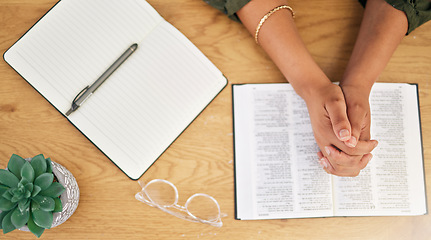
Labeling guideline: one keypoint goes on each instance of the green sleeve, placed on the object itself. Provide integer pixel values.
(418, 12)
(228, 7)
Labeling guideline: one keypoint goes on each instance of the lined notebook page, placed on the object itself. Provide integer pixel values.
(147, 102)
(71, 46)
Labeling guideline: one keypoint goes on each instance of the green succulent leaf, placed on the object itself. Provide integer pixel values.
(39, 164)
(48, 165)
(17, 197)
(3, 189)
(7, 178)
(29, 187)
(17, 193)
(58, 205)
(27, 194)
(18, 218)
(44, 180)
(55, 190)
(42, 219)
(27, 172)
(34, 206)
(36, 190)
(2, 215)
(45, 203)
(8, 194)
(7, 223)
(24, 204)
(6, 205)
(15, 165)
(36, 230)
(38, 156)
(23, 182)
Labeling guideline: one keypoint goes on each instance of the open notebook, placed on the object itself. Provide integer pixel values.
(146, 103)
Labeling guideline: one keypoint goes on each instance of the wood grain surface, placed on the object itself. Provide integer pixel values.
(201, 159)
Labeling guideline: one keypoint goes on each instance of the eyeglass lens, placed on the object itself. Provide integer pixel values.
(161, 193)
(203, 207)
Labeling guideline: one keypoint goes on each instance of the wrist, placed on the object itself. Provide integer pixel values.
(359, 78)
(358, 85)
(308, 88)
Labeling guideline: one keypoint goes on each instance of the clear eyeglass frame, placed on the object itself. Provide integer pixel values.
(177, 210)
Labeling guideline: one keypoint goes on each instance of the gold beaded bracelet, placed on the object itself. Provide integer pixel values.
(263, 19)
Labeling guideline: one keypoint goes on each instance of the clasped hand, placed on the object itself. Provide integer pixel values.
(340, 117)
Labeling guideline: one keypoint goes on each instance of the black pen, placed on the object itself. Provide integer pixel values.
(89, 90)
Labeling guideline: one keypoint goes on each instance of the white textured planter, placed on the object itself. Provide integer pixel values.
(70, 197)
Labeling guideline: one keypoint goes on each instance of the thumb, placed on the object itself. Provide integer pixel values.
(359, 128)
(340, 122)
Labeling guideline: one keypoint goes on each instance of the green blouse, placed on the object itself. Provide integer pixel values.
(418, 11)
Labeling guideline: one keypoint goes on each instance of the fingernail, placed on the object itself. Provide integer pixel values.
(352, 142)
(323, 163)
(371, 157)
(344, 134)
(328, 151)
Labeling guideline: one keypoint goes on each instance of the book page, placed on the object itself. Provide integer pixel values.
(277, 173)
(146, 103)
(393, 181)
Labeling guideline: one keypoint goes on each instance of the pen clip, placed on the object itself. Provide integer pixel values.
(80, 93)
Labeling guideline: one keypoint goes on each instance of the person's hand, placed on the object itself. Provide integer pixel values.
(341, 154)
(358, 110)
(341, 164)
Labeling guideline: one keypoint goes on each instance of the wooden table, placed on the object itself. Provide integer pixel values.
(201, 159)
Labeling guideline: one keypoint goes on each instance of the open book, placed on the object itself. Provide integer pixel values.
(146, 103)
(277, 174)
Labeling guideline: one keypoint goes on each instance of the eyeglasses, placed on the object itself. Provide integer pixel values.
(163, 194)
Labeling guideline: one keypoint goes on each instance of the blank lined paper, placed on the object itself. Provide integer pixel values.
(77, 41)
(146, 103)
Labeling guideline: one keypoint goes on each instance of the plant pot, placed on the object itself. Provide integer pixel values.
(69, 198)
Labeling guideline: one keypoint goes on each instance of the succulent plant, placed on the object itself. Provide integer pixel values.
(28, 194)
